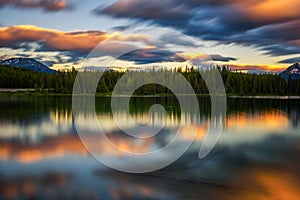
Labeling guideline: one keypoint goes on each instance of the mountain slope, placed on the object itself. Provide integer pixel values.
(28, 63)
(292, 71)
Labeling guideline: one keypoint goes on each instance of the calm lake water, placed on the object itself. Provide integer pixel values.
(256, 157)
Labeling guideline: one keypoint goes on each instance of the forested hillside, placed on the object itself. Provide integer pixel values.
(235, 83)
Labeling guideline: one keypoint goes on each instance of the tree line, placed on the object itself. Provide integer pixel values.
(236, 83)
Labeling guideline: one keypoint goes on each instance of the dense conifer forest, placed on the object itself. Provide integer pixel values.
(236, 83)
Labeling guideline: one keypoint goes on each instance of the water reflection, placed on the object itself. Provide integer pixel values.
(269, 183)
(29, 187)
(41, 156)
(50, 148)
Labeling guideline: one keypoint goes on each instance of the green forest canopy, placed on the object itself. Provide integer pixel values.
(236, 83)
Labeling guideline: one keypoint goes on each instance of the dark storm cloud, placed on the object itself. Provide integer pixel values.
(120, 28)
(147, 10)
(250, 23)
(217, 57)
(146, 56)
(46, 5)
(281, 49)
(291, 60)
(174, 38)
(65, 57)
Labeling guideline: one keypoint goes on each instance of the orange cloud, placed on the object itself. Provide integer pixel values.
(48, 5)
(266, 10)
(83, 41)
(270, 10)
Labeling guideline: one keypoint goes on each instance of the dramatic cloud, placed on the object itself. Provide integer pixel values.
(176, 38)
(201, 58)
(83, 41)
(146, 56)
(273, 26)
(72, 46)
(46, 5)
(281, 49)
(49, 39)
(291, 60)
(217, 57)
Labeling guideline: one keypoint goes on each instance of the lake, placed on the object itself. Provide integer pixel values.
(256, 157)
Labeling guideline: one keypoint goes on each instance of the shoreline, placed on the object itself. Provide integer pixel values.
(32, 92)
(265, 97)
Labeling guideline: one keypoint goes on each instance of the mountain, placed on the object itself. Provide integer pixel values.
(28, 63)
(292, 71)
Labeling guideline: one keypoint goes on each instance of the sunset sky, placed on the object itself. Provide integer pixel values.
(254, 35)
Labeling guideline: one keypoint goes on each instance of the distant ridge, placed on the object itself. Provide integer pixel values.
(27, 63)
(293, 71)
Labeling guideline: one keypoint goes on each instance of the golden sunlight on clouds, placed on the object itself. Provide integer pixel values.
(61, 41)
(194, 55)
(83, 40)
(66, 66)
(259, 67)
(61, 4)
(268, 10)
(119, 36)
